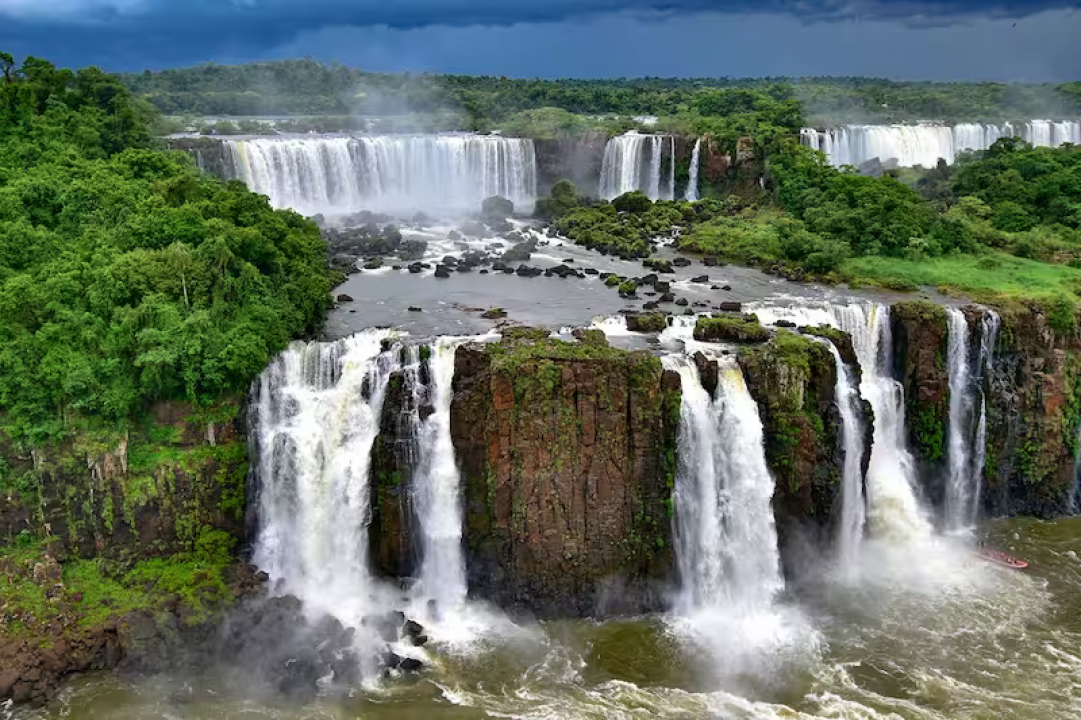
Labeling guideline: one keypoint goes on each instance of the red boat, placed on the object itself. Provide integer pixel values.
(1000, 558)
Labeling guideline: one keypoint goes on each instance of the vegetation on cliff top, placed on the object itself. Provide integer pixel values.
(126, 275)
(308, 87)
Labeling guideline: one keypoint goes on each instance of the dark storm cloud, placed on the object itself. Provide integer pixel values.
(123, 32)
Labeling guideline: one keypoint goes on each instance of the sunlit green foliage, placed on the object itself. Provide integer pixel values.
(127, 275)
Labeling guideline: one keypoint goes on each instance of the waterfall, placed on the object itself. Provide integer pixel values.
(315, 414)
(989, 327)
(692, 183)
(334, 175)
(924, 144)
(437, 489)
(726, 542)
(960, 481)
(853, 505)
(893, 505)
(633, 161)
(1073, 496)
(671, 195)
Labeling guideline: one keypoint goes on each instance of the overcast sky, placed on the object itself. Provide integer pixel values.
(1016, 40)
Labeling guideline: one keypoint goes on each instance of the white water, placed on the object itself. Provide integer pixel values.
(692, 182)
(335, 175)
(725, 537)
(315, 418)
(893, 505)
(634, 161)
(1073, 497)
(960, 482)
(726, 543)
(989, 327)
(853, 503)
(924, 144)
(437, 491)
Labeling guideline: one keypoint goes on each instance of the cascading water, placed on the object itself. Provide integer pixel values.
(334, 175)
(726, 543)
(960, 481)
(1073, 496)
(989, 327)
(853, 503)
(893, 506)
(634, 161)
(692, 182)
(924, 144)
(671, 195)
(314, 417)
(436, 486)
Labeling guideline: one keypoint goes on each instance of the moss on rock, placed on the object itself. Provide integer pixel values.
(745, 329)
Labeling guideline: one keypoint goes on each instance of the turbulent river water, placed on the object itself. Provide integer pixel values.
(919, 632)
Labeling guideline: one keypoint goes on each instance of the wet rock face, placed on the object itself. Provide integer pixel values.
(567, 454)
(1033, 413)
(793, 382)
(920, 350)
(391, 543)
(129, 510)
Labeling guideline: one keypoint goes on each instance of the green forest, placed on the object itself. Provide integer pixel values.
(126, 274)
(306, 87)
(129, 276)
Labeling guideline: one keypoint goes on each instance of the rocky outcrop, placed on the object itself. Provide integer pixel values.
(390, 535)
(567, 455)
(1033, 413)
(141, 493)
(793, 381)
(920, 332)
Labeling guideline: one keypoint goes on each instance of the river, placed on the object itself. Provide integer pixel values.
(909, 633)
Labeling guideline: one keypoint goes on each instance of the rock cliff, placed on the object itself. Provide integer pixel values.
(1033, 414)
(148, 491)
(920, 346)
(793, 381)
(567, 453)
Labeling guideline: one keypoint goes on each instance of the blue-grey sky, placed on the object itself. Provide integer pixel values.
(1027, 40)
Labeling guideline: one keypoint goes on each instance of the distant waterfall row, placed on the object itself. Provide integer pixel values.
(335, 175)
(911, 145)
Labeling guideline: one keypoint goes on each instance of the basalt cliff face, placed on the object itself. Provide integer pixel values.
(793, 381)
(567, 462)
(1033, 415)
(140, 493)
(1032, 393)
